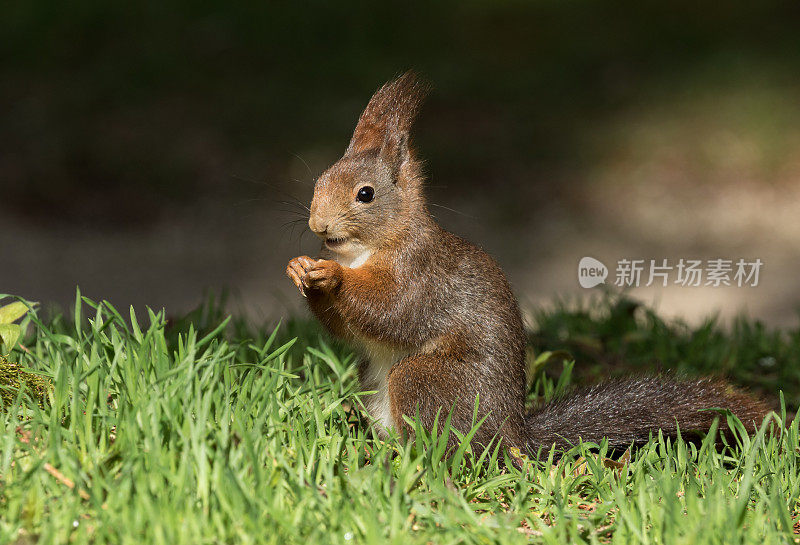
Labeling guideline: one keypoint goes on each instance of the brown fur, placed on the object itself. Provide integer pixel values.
(440, 311)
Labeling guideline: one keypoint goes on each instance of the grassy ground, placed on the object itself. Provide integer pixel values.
(198, 430)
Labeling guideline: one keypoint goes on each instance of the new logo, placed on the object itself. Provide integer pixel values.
(591, 272)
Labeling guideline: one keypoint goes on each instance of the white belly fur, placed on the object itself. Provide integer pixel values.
(352, 261)
(380, 359)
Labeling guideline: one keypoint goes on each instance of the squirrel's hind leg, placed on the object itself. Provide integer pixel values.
(427, 385)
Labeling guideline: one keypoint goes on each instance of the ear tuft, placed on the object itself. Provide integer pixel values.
(388, 117)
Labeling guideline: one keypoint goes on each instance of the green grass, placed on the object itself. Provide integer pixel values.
(202, 430)
(616, 335)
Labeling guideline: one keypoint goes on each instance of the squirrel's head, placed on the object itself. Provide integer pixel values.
(374, 191)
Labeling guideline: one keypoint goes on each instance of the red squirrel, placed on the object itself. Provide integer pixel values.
(435, 319)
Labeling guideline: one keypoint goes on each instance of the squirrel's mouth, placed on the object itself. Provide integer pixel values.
(336, 242)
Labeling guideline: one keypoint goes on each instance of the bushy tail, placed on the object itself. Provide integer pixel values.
(627, 411)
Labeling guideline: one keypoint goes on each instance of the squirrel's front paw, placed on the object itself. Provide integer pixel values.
(314, 274)
(296, 270)
(323, 275)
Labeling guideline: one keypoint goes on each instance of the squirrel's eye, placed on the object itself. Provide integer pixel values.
(365, 194)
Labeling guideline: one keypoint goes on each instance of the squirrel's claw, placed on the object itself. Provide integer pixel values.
(318, 274)
(296, 271)
(324, 275)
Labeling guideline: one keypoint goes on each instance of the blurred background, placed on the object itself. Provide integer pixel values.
(151, 152)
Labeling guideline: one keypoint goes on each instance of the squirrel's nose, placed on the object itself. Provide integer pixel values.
(319, 227)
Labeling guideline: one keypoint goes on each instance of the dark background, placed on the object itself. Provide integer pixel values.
(151, 152)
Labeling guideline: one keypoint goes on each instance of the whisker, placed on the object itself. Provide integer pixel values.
(301, 213)
(289, 210)
(300, 240)
(299, 181)
(452, 210)
(272, 187)
(290, 222)
(306, 164)
(290, 203)
(297, 215)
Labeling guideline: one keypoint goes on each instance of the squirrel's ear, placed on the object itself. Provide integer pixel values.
(394, 150)
(387, 119)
